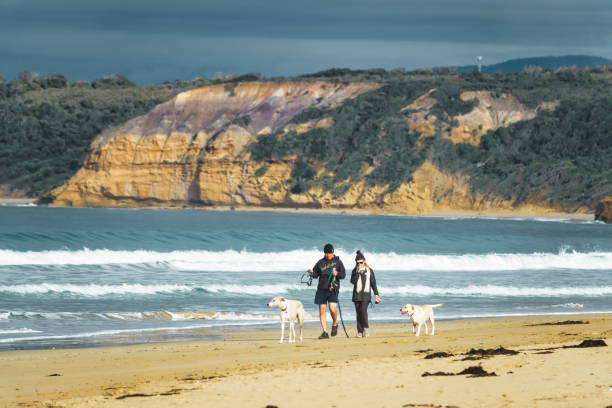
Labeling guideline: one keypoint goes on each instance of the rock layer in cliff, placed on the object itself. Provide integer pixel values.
(192, 150)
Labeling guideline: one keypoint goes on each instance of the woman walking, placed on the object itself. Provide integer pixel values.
(364, 281)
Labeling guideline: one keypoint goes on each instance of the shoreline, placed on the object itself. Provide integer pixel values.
(10, 200)
(443, 214)
(389, 365)
(477, 214)
(214, 333)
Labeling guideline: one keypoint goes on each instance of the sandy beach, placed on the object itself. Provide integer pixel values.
(538, 367)
(528, 214)
(13, 201)
(578, 216)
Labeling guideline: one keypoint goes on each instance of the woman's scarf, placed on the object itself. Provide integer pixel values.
(360, 286)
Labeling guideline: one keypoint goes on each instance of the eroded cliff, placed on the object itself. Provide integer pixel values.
(192, 150)
(491, 111)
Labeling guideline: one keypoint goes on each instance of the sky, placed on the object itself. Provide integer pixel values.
(152, 41)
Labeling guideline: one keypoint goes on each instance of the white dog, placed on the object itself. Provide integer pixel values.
(419, 316)
(290, 310)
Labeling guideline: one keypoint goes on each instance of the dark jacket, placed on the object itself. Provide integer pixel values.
(365, 295)
(323, 270)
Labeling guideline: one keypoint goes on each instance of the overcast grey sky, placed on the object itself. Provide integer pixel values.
(152, 41)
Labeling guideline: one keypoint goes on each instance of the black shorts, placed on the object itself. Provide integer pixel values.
(323, 296)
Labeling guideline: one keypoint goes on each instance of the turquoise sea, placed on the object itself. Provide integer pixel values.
(82, 277)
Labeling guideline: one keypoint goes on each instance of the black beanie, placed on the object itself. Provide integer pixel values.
(359, 256)
(328, 249)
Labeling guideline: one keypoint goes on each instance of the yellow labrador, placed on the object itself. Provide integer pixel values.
(420, 315)
(290, 310)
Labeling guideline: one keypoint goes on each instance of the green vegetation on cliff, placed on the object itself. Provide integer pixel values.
(562, 157)
(46, 123)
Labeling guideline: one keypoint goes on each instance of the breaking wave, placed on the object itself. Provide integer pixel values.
(237, 261)
(496, 291)
(275, 289)
(19, 331)
(92, 289)
(161, 315)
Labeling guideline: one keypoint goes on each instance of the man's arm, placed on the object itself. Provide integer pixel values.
(315, 271)
(340, 270)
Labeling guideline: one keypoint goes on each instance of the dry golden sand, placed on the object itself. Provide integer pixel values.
(9, 200)
(250, 369)
(578, 216)
(372, 211)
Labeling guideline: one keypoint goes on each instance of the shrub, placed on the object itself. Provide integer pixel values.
(262, 170)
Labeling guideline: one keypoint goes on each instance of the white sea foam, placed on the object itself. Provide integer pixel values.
(454, 316)
(99, 333)
(497, 291)
(160, 315)
(569, 305)
(105, 333)
(246, 322)
(237, 261)
(17, 331)
(254, 289)
(18, 205)
(275, 289)
(421, 290)
(93, 290)
(28, 315)
(180, 316)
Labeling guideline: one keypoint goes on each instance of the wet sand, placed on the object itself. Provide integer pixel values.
(251, 369)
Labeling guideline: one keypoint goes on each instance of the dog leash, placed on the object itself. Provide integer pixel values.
(336, 287)
(308, 282)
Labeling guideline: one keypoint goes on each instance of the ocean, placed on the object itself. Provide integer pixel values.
(84, 277)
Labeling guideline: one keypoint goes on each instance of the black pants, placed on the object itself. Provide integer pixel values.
(361, 310)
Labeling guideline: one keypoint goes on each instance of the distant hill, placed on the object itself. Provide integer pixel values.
(517, 65)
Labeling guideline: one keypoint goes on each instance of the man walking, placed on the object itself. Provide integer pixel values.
(329, 270)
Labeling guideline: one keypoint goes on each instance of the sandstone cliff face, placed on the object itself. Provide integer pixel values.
(603, 210)
(490, 113)
(192, 151)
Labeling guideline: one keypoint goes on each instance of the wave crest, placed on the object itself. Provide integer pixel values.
(19, 331)
(497, 291)
(92, 289)
(238, 261)
(162, 315)
(276, 289)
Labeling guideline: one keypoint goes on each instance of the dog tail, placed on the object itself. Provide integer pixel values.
(438, 305)
(301, 315)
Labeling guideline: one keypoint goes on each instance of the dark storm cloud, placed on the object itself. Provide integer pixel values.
(155, 40)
